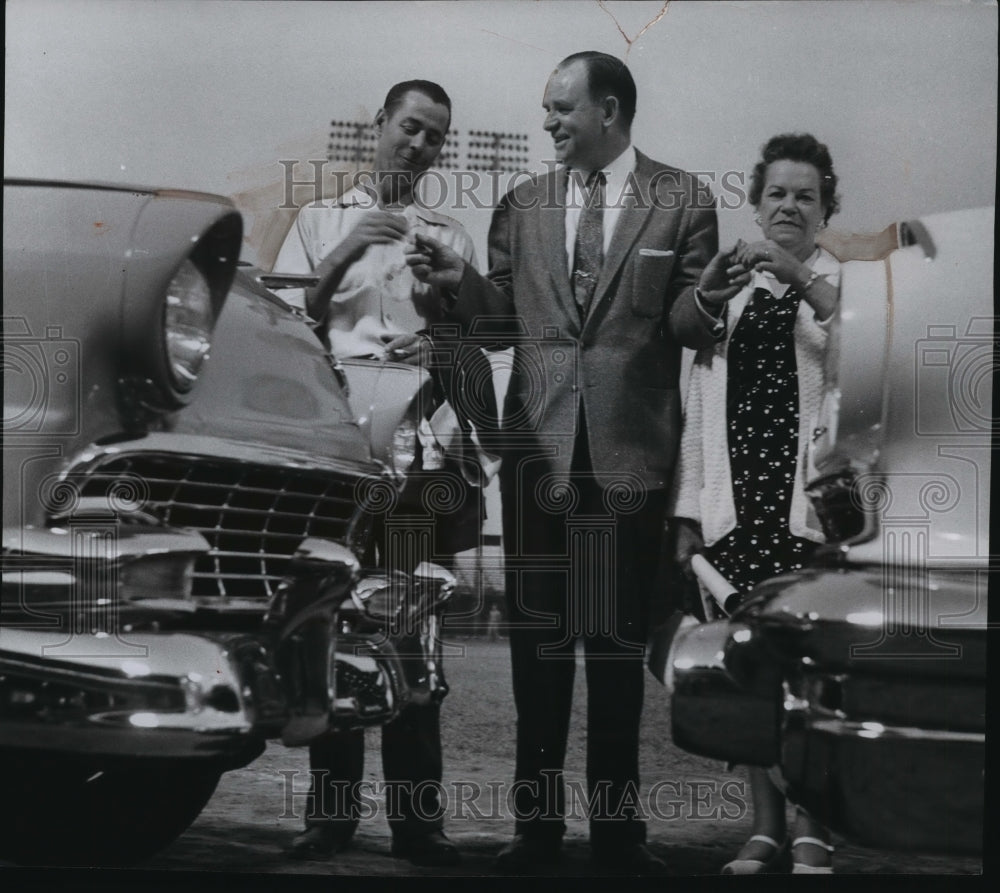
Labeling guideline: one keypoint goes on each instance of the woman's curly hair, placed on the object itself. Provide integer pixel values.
(798, 147)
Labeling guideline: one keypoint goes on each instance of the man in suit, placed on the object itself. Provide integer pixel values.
(593, 276)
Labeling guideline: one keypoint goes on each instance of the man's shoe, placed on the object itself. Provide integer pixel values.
(431, 849)
(320, 842)
(524, 853)
(629, 859)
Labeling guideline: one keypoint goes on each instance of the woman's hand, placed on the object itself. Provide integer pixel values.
(769, 257)
(414, 350)
(688, 541)
(723, 278)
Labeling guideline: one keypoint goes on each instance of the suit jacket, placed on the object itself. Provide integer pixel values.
(620, 364)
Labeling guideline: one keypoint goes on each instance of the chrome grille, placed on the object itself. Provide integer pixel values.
(253, 516)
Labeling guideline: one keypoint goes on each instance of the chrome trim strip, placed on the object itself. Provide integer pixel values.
(197, 446)
(132, 542)
(287, 280)
(96, 186)
(845, 728)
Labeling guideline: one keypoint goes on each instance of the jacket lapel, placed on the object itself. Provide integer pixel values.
(552, 225)
(631, 220)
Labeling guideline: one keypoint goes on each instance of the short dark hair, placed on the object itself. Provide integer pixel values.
(607, 76)
(397, 93)
(798, 147)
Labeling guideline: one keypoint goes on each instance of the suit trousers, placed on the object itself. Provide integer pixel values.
(581, 562)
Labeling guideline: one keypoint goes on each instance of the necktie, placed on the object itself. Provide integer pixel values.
(589, 250)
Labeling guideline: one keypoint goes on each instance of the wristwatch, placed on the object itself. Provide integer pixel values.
(809, 282)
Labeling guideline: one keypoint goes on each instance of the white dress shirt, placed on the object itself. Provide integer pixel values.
(378, 297)
(617, 176)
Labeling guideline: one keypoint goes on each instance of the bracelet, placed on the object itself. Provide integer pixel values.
(809, 282)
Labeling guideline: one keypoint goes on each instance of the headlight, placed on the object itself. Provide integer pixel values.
(188, 318)
(180, 266)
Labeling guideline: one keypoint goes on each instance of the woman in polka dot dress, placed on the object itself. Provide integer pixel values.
(752, 397)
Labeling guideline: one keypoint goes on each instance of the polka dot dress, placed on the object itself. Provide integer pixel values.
(763, 421)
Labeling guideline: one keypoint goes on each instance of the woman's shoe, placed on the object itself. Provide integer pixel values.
(759, 866)
(806, 868)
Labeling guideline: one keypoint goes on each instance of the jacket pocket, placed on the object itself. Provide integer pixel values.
(652, 274)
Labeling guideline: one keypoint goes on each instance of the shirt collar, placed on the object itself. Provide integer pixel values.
(362, 197)
(616, 174)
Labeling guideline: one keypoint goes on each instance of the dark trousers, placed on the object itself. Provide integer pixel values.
(411, 763)
(581, 561)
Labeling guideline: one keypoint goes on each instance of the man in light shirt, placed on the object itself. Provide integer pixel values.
(369, 304)
(367, 298)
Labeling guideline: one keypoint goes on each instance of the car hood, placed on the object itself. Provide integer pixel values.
(269, 381)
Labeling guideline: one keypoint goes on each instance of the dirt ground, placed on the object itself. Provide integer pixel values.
(698, 812)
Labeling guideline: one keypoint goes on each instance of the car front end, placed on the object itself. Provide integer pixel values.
(193, 514)
(861, 680)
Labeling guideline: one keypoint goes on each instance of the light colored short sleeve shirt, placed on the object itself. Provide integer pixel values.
(378, 297)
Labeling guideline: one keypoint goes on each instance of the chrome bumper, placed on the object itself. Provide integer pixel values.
(894, 786)
(116, 690)
(177, 695)
(882, 783)
(186, 695)
(723, 704)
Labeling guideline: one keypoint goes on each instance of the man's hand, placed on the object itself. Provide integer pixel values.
(435, 264)
(414, 350)
(375, 228)
(723, 278)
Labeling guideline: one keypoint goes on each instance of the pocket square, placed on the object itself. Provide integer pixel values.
(654, 252)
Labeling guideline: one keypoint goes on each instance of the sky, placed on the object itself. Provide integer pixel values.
(212, 95)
